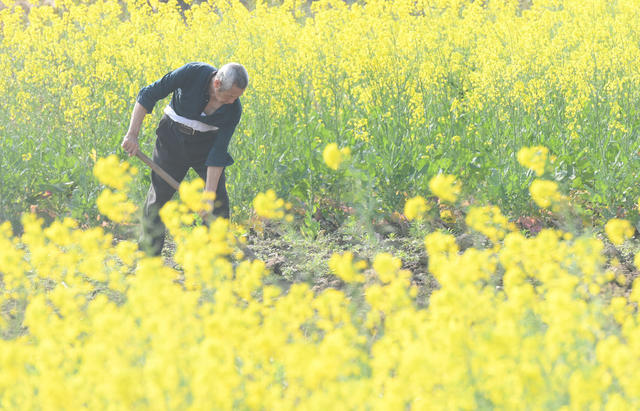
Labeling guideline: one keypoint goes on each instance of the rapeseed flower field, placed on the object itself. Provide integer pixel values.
(522, 322)
(462, 115)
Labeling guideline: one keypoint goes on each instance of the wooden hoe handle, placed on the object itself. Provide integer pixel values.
(173, 183)
(165, 176)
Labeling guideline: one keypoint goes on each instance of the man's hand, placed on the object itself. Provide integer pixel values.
(205, 215)
(130, 141)
(130, 144)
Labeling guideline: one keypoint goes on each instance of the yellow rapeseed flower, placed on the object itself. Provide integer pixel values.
(440, 243)
(386, 266)
(490, 221)
(544, 193)
(415, 208)
(344, 267)
(113, 173)
(115, 206)
(618, 230)
(193, 196)
(268, 205)
(534, 158)
(334, 156)
(446, 187)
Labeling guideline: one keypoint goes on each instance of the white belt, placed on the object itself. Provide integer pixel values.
(194, 124)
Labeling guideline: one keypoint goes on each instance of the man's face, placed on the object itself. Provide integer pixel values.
(226, 96)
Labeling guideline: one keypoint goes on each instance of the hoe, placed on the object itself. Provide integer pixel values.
(175, 185)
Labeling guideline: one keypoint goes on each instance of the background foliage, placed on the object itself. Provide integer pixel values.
(413, 87)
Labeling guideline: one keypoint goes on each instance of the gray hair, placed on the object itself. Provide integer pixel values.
(232, 74)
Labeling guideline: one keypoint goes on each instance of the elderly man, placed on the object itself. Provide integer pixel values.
(194, 132)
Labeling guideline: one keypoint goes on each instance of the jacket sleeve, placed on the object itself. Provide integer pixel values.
(151, 94)
(219, 154)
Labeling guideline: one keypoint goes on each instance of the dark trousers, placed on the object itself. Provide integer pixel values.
(176, 152)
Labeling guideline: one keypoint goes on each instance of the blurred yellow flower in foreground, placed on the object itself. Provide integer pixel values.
(334, 156)
(618, 230)
(111, 172)
(490, 221)
(193, 196)
(446, 187)
(268, 205)
(386, 266)
(534, 158)
(439, 243)
(253, 332)
(115, 206)
(343, 266)
(415, 207)
(545, 193)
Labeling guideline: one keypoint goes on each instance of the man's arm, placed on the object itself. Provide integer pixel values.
(130, 141)
(219, 157)
(219, 154)
(149, 96)
(213, 177)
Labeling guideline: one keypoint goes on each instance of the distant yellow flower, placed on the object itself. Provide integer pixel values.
(618, 230)
(26, 157)
(333, 156)
(415, 207)
(446, 187)
(534, 158)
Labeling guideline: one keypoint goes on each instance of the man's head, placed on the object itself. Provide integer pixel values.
(229, 82)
